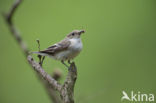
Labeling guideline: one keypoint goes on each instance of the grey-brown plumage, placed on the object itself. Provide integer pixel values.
(66, 49)
(61, 46)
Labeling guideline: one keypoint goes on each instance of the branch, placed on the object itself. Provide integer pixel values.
(66, 90)
(56, 75)
(41, 58)
(52, 82)
(12, 11)
(8, 17)
(53, 93)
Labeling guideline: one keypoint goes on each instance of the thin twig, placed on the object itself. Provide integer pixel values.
(67, 89)
(38, 41)
(41, 58)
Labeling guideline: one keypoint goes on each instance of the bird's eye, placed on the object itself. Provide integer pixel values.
(73, 34)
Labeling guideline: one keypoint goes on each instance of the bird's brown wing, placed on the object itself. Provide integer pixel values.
(61, 46)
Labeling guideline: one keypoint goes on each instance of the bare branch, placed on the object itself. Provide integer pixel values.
(8, 17)
(41, 72)
(55, 97)
(12, 11)
(52, 86)
(56, 75)
(67, 92)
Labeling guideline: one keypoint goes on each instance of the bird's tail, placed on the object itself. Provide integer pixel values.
(39, 53)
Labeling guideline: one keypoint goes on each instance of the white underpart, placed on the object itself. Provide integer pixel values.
(73, 50)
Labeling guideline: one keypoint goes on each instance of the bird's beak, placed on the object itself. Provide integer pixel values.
(82, 31)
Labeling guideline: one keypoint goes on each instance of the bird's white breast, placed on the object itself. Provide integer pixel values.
(72, 51)
(76, 44)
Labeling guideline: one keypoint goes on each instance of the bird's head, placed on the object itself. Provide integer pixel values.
(75, 34)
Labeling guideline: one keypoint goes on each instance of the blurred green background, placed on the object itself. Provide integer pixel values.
(119, 48)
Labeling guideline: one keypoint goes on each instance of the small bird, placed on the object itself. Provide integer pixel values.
(65, 50)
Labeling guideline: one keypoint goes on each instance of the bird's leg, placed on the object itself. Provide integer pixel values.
(64, 63)
(69, 61)
(42, 59)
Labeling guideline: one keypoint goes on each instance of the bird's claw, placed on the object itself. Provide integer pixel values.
(69, 62)
(64, 64)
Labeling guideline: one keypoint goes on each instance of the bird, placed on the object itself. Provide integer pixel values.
(65, 50)
(125, 96)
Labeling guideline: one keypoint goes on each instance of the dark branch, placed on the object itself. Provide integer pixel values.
(12, 11)
(52, 86)
(8, 17)
(67, 92)
(52, 82)
(54, 96)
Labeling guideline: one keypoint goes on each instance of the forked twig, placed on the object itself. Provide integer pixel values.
(41, 58)
(66, 90)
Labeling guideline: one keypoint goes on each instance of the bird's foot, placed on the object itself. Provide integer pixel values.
(69, 62)
(41, 59)
(64, 64)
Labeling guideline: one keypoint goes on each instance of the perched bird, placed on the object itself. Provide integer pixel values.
(65, 50)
